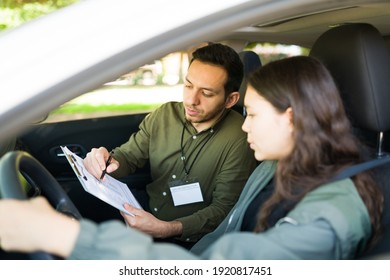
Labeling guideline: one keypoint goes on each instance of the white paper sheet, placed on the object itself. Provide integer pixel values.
(110, 190)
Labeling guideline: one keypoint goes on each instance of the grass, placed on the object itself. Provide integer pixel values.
(114, 101)
(87, 108)
(69, 112)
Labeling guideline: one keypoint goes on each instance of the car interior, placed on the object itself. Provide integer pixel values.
(357, 55)
(251, 61)
(360, 65)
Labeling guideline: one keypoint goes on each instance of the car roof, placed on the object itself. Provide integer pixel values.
(303, 24)
(57, 57)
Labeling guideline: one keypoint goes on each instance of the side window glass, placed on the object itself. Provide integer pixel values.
(151, 85)
(269, 51)
(138, 91)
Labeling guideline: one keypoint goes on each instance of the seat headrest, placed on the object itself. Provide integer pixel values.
(251, 61)
(357, 57)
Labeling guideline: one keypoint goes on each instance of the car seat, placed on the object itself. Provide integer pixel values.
(251, 61)
(357, 57)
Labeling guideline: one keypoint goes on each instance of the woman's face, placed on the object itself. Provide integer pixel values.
(270, 133)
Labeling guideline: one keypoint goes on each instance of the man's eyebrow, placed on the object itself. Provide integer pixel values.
(204, 88)
(188, 80)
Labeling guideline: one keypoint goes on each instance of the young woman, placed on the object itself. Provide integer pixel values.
(290, 207)
(297, 125)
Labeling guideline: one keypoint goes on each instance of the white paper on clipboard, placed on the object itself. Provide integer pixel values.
(111, 191)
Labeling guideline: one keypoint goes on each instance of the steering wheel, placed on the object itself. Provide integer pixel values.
(14, 163)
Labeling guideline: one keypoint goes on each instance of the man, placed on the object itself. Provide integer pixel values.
(198, 154)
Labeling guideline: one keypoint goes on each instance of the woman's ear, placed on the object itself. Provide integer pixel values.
(290, 115)
(232, 99)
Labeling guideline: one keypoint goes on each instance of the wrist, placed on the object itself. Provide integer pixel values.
(171, 229)
(63, 236)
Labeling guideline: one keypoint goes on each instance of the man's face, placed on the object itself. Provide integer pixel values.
(204, 94)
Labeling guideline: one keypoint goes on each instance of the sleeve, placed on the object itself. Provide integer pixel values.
(229, 182)
(315, 240)
(112, 240)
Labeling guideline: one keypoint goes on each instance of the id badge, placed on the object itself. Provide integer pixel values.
(185, 192)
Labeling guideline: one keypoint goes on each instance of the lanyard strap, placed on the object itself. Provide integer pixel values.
(183, 157)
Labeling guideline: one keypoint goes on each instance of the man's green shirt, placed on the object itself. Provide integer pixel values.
(219, 158)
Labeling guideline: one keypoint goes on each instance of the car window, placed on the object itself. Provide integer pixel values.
(138, 91)
(149, 86)
(270, 51)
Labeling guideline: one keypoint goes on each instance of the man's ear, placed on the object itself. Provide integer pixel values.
(232, 99)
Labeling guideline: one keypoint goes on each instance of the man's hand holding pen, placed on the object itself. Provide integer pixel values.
(108, 162)
(100, 162)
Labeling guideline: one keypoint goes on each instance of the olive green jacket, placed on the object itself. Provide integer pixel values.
(331, 222)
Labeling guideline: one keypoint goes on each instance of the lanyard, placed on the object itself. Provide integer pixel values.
(183, 157)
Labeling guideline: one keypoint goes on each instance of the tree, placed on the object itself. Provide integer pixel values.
(16, 12)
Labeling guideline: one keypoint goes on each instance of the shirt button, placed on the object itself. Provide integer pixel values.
(174, 176)
(164, 193)
(155, 209)
(187, 239)
(194, 137)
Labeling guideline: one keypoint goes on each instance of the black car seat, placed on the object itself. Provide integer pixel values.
(359, 61)
(251, 61)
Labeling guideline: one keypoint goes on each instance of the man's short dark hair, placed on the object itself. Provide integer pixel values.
(226, 57)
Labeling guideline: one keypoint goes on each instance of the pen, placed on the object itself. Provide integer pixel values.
(107, 164)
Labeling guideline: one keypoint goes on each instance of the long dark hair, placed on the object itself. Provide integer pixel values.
(323, 139)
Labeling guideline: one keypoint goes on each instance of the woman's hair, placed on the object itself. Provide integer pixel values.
(225, 57)
(323, 139)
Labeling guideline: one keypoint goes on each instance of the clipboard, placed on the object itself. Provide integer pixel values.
(111, 191)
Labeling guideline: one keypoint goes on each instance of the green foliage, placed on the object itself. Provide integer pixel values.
(20, 3)
(16, 12)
